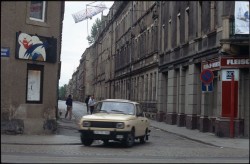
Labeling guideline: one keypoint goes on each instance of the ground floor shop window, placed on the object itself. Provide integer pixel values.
(34, 83)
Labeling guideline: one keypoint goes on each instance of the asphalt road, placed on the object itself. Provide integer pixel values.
(162, 147)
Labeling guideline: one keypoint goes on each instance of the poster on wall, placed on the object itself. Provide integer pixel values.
(241, 14)
(36, 48)
(227, 74)
(33, 89)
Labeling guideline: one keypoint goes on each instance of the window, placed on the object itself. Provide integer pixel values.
(199, 18)
(178, 30)
(37, 10)
(186, 24)
(139, 111)
(34, 83)
(169, 33)
(212, 15)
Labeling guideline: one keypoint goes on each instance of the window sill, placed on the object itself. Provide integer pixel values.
(36, 23)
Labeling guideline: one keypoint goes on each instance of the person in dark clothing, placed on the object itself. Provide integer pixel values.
(69, 107)
(87, 103)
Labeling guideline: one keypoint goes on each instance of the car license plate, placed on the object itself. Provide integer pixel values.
(101, 132)
(119, 136)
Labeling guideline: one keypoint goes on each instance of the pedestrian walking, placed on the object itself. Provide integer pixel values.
(87, 103)
(91, 104)
(69, 104)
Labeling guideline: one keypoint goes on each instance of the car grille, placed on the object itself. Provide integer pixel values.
(99, 124)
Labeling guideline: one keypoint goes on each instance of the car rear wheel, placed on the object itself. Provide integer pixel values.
(144, 138)
(129, 140)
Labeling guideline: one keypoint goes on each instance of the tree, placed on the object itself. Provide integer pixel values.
(94, 31)
(62, 92)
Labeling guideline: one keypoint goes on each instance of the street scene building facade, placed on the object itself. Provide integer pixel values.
(186, 62)
(30, 65)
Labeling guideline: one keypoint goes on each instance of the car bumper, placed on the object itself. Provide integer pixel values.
(113, 135)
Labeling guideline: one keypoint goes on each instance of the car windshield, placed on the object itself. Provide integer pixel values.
(116, 107)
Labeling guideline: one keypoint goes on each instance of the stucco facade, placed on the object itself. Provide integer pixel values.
(29, 85)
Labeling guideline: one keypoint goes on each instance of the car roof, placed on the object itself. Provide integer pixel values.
(120, 100)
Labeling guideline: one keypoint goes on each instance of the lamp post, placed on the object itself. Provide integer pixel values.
(87, 19)
(101, 8)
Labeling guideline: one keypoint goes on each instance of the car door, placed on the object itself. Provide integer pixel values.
(141, 121)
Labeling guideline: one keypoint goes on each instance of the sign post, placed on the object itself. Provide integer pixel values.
(232, 108)
(207, 77)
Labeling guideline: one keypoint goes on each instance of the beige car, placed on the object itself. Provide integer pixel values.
(115, 119)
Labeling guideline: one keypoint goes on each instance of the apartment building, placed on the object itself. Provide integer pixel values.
(155, 52)
(197, 36)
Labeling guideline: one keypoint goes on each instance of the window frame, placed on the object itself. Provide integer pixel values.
(43, 13)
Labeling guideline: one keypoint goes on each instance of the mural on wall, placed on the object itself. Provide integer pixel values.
(36, 48)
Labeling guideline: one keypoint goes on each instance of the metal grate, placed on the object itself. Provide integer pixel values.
(99, 124)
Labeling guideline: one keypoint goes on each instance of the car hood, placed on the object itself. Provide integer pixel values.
(108, 116)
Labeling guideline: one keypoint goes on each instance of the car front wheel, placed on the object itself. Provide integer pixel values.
(86, 141)
(129, 140)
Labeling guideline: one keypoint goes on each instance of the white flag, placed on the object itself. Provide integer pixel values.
(241, 15)
(88, 12)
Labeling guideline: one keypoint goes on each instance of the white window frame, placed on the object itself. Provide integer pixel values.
(43, 13)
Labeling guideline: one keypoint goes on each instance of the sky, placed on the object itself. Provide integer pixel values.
(74, 37)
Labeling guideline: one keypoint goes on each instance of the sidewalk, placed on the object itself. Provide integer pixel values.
(208, 138)
(55, 139)
(47, 139)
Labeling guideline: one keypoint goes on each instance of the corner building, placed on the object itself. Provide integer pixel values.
(30, 65)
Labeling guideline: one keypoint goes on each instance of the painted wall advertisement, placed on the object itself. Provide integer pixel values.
(36, 48)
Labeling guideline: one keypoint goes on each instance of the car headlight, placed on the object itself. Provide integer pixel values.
(86, 124)
(120, 125)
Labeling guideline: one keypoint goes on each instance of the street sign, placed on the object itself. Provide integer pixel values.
(206, 76)
(207, 87)
(5, 52)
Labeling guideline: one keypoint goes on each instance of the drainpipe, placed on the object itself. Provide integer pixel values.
(110, 64)
(130, 56)
(232, 108)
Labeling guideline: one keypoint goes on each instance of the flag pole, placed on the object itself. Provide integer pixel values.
(87, 23)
